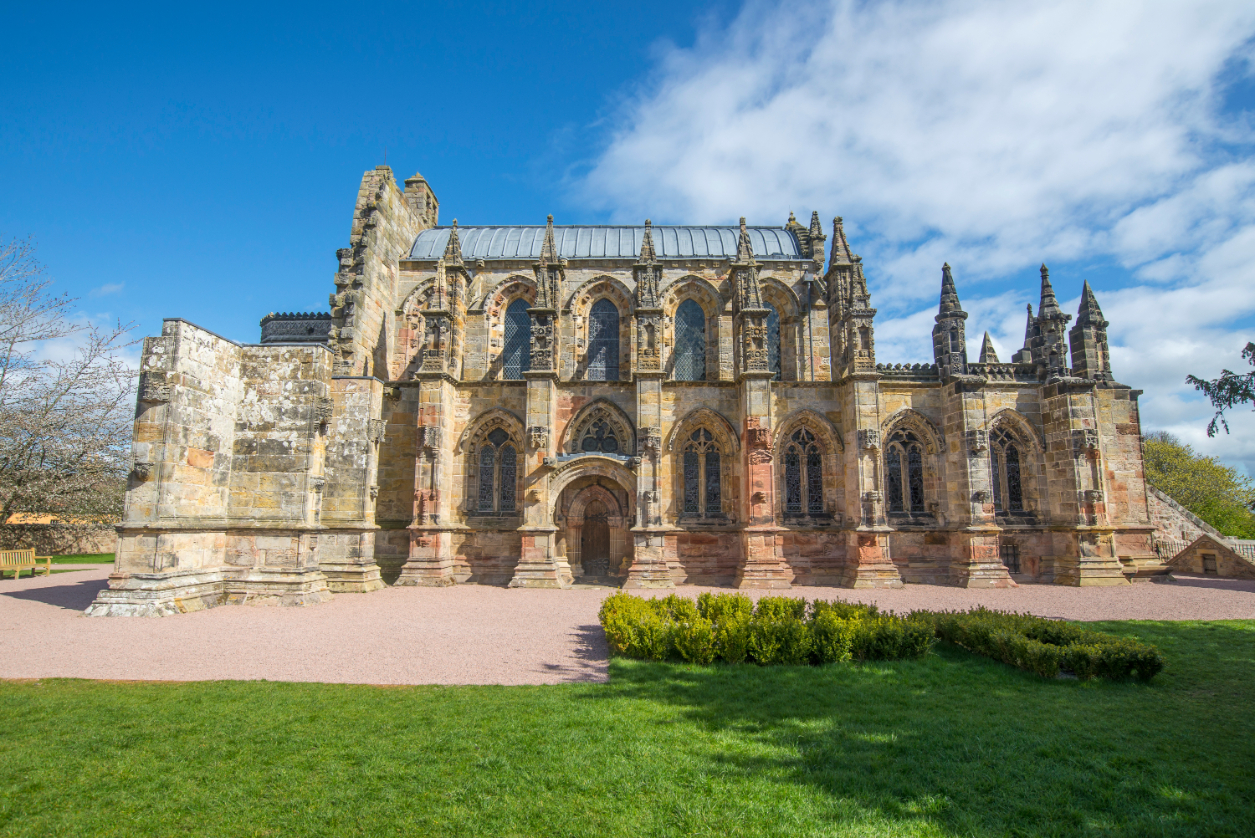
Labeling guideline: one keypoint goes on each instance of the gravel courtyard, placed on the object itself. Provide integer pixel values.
(461, 635)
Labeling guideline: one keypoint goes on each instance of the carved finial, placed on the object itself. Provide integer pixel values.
(949, 296)
(744, 253)
(988, 355)
(647, 244)
(1028, 327)
(453, 248)
(549, 250)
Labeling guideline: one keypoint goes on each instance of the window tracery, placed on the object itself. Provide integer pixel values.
(904, 472)
(599, 436)
(1005, 471)
(702, 466)
(803, 475)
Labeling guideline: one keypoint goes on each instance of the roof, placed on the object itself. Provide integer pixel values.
(607, 242)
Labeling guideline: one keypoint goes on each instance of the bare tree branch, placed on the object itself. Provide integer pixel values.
(65, 422)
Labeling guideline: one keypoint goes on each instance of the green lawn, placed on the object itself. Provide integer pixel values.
(84, 558)
(951, 745)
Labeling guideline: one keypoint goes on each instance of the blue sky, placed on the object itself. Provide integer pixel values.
(202, 162)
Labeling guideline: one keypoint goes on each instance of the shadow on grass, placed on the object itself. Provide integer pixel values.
(964, 745)
(72, 597)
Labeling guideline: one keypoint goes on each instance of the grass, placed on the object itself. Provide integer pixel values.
(954, 744)
(84, 558)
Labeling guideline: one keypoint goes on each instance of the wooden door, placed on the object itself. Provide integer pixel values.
(595, 541)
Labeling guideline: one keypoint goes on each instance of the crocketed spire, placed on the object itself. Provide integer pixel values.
(1048, 309)
(841, 254)
(988, 355)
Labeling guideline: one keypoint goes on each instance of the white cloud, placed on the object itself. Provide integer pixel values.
(108, 288)
(988, 134)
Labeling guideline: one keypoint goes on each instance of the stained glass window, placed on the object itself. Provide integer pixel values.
(915, 477)
(792, 482)
(904, 452)
(599, 436)
(773, 340)
(690, 342)
(487, 461)
(1015, 493)
(894, 479)
(714, 503)
(803, 474)
(516, 353)
(498, 474)
(603, 342)
(509, 478)
(1005, 471)
(703, 487)
(814, 482)
(692, 482)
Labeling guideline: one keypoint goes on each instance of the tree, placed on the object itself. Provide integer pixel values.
(1216, 493)
(1229, 390)
(66, 397)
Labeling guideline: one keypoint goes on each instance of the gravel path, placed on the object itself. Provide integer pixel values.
(462, 635)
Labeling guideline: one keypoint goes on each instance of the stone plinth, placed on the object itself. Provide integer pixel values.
(539, 566)
(763, 565)
(976, 562)
(649, 564)
(869, 565)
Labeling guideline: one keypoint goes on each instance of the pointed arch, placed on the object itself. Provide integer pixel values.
(598, 421)
(704, 416)
(1016, 464)
(934, 440)
(692, 342)
(784, 334)
(492, 452)
(580, 305)
(1012, 418)
(807, 452)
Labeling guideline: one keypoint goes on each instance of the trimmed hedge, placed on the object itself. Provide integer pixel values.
(1046, 647)
(779, 630)
(788, 630)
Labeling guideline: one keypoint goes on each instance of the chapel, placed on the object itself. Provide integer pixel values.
(637, 406)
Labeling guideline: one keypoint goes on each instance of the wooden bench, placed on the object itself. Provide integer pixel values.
(19, 560)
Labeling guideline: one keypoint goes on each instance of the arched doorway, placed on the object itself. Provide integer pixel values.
(593, 518)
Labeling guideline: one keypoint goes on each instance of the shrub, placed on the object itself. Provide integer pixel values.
(718, 607)
(653, 637)
(887, 637)
(781, 608)
(844, 610)
(832, 637)
(695, 640)
(733, 638)
(1046, 647)
(786, 641)
(680, 609)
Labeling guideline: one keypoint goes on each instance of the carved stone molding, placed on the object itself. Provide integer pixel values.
(1084, 440)
(323, 410)
(375, 430)
(154, 388)
(317, 483)
(142, 471)
(1093, 496)
(869, 438)
(430, 437)
(650, 438)
(981, 496)
(977, 441)
(538, 437)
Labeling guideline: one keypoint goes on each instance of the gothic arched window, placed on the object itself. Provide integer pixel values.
(516, 354)
(498, 474)
(904, 472)
(703, 495)
(1004, 468)
(690, 342)
(773, 340)
(603, 342)
(803, 475)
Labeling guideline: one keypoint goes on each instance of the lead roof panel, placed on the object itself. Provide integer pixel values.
(607, 242)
